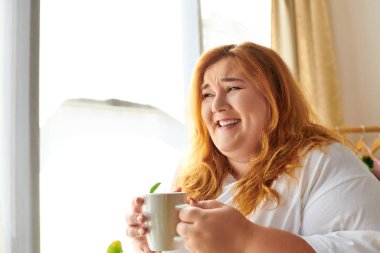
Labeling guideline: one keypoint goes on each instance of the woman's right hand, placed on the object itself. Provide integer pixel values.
(136, 229)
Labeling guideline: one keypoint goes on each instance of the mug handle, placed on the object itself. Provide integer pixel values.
(181, 206)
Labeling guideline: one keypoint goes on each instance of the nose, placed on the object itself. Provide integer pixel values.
(219, 103)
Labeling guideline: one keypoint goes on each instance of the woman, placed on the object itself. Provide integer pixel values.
(265, 176)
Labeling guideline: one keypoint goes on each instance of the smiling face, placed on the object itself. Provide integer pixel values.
(233, 110)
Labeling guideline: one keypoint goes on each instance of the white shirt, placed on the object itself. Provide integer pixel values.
(334, 204)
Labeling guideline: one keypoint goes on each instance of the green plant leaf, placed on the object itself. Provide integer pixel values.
(115, 247)
(154, 187)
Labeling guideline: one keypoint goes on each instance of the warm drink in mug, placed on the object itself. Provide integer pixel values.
(162, 210)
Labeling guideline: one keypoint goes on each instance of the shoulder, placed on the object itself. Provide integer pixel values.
(334, 167)
(337, 191)
(335, 162)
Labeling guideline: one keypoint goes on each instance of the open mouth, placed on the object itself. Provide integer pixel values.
(224, 123)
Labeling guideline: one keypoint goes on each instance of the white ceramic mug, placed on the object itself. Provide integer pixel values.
(162, 210)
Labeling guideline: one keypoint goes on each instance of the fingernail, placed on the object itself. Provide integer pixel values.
(139, 218)
(193, 201)
(140, 231)
(138, 201)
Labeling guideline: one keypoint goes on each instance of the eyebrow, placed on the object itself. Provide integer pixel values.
(224, 80)
(230, 79)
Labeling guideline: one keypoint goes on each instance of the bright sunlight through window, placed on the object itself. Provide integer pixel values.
(97, 155)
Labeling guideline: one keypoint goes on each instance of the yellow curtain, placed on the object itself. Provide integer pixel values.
(301, 34)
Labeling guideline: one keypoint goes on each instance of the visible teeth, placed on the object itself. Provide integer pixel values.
(227, 122)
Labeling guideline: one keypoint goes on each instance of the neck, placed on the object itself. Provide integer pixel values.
(240, 167)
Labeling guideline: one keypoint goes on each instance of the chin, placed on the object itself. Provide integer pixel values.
(228, 152)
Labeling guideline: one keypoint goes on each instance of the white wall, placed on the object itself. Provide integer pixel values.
(356, 33)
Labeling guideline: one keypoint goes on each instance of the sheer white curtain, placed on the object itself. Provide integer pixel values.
(19, 217)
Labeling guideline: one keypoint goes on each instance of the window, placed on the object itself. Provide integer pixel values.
(112, 94)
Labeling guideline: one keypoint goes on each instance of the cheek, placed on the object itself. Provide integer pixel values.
(258, 116)
(206, 114)
(261, 118)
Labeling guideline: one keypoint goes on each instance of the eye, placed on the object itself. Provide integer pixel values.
(207, 95)
(232, 88)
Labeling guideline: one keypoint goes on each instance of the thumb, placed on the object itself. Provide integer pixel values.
(207, 204)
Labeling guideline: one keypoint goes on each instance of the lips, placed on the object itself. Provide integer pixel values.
(227, 122)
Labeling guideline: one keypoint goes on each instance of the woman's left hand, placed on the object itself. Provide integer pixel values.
(210, 226)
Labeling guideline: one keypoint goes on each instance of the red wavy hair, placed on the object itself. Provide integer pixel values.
(290, 132)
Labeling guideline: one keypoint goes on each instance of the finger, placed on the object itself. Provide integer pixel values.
(183, 229)
(190, 214)
(135, 219)
(192, 201)
(141, 244)
(135, 232)
(208, 204)
(145, 249)
(178, 189)
(137, 204)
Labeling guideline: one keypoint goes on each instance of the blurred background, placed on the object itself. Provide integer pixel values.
(94, 99)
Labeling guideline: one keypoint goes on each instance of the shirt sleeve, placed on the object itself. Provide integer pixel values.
(344, 215)
(345, 241)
